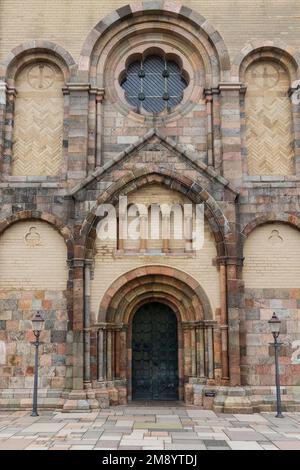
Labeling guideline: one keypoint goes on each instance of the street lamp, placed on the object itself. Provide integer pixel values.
(275, 330)
(37, 326)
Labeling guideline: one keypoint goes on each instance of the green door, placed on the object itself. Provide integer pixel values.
(154, 353)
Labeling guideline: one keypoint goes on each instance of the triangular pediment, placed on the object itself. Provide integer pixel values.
(155, 148)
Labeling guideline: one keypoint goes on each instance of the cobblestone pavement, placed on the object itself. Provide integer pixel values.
(148, 427)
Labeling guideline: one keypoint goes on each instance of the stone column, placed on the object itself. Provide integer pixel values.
(3, 89)
(193, 351)
(143, 232)
(123, 352)
(78, 131)
(78, 325)
(165, 233)
(200, 351)
(230, 132)
(105, 353)
(92, 130)
(188, 229)
(87, 334)
(210, 349)
(100, 354)
(8, 131)
(209, 113)
(117, 350)
(216, 129)
(224, 322)
(186, 350)
(120, 232)
(234, 302)
(66, 130)
(109, 353)
(99, 126)
(294, 93)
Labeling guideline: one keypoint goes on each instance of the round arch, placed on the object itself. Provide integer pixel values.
(51, 219)
(31, 50)
(270, 217)
(217, 221)
(147, 285)
(134, 12)
(276, 50)
(133, 288)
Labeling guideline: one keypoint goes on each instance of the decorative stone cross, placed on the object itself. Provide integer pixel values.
(41, 76)
(265, 75)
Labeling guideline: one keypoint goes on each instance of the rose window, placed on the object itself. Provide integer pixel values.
(154, 84)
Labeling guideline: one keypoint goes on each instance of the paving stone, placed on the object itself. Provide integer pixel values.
(244, 445)
(215, 443)
(45, 427)
(49, 433)
(33, 447)
(162, 426)
(287, 445)
(17, 444)
(106, 445)
(185, 446)
(218, 448)
(61, 447)
(201, 414)
(82, 447)
(110, 437)
(92, 435)
(245, 436)
(128, 448)
(269, 447)
(256, 418)
(185, 435)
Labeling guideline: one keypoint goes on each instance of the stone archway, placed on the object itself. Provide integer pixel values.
(179, 292)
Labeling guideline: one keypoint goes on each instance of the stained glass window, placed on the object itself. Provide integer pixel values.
(154, 84)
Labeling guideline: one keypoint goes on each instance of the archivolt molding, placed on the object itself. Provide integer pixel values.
(275, 50)
(181, 292)
(126, 22)
(268, 218)
(218, 223)
(51, 219)
(33, 51)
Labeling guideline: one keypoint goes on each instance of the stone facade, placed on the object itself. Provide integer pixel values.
(70, 142)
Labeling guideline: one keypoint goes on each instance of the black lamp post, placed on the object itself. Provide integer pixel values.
(275, 330)
(37, 324)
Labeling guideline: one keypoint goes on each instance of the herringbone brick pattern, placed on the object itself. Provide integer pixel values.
(269, 135)
(37, 148)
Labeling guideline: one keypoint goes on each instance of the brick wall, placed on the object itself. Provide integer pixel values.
(254, 19)
(272, 284)
(272, 257)
(33, 278)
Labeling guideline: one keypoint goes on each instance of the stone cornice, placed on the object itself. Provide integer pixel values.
(230, 86)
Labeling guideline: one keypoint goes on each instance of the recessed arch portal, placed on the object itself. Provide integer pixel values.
(179, 287)
(175, 290)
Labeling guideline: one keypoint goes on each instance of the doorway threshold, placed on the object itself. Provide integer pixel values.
(156, 403)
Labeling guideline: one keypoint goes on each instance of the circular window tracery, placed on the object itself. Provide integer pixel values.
(154, 84)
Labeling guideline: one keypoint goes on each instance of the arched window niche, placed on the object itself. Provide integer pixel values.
(268, 115)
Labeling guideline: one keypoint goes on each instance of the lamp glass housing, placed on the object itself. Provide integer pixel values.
(38, 322)
(274, 324)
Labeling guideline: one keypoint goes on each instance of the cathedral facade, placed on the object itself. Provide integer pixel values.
(161, 105)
